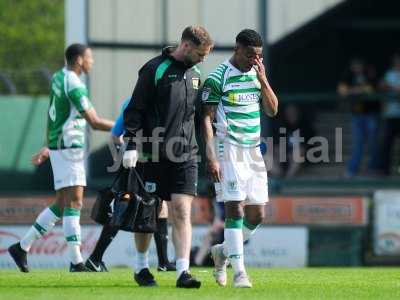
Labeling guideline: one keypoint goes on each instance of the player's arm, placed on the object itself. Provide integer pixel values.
(78, 95)
(269, 100)
(95, 121)
(135, 112)
(41, 156)
(211, 96)
(208, 135)
(118, 130)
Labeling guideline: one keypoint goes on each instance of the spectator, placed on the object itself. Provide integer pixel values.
(358, 85)
(391, 85)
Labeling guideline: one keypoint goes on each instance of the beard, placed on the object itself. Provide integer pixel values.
(188, 62)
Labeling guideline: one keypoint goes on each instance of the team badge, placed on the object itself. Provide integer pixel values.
(205, 93)
(150, 187)
(232, 186)
(196, 81)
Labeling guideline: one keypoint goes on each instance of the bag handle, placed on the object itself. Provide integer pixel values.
(120, 171)
(138, 178)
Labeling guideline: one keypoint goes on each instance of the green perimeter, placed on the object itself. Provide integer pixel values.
(307, 283)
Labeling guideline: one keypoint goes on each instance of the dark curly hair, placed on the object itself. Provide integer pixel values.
(249, 38)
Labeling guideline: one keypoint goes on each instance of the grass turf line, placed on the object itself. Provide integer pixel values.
(307, 283)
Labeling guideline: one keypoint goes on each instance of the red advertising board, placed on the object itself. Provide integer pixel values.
(279, 210)
(24, 210)
(317, 210)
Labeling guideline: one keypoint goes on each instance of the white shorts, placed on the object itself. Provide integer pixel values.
(68, 168)
(244, 176)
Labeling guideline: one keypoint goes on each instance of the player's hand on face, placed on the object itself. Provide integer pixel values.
(214, 170)
(41, 156)
(259, 68)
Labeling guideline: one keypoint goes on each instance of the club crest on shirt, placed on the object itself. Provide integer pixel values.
(150, 187)
(232, 186)
(195, 81)
(205, 93)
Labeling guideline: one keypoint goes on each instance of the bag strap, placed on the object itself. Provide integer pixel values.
(120, 171)
(138, 178)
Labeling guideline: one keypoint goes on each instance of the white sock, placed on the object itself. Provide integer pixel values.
(31, 236)
(74, 251)
(225, 249)
(247, 233)
(72, 233)
(182, 264)
(142, 261)
(43, 224)
(234, 245)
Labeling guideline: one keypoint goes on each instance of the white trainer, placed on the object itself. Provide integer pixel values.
(220, 262)
(241, 280)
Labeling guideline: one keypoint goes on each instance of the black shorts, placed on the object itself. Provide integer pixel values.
(165, 178)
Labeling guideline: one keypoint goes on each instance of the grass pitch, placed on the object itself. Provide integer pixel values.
(307, 283)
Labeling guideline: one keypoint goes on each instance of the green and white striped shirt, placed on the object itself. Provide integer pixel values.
(238, 96)
(68, 99)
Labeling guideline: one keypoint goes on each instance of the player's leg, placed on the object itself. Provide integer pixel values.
(95, 261)
(213, 236)
(232, 190)
(71, 226)
(182, 238)
(234, 242)
(256, 189)
(182, 187)
(161, 240)
(219, 252)
(257, 195)
(43, 224)
(182, 230)
(142, 276)
(254, 214)
(150, 174)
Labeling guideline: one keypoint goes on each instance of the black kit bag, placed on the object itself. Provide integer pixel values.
(125, 205)
(102, 208)
(134, 209)
(148, 209)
